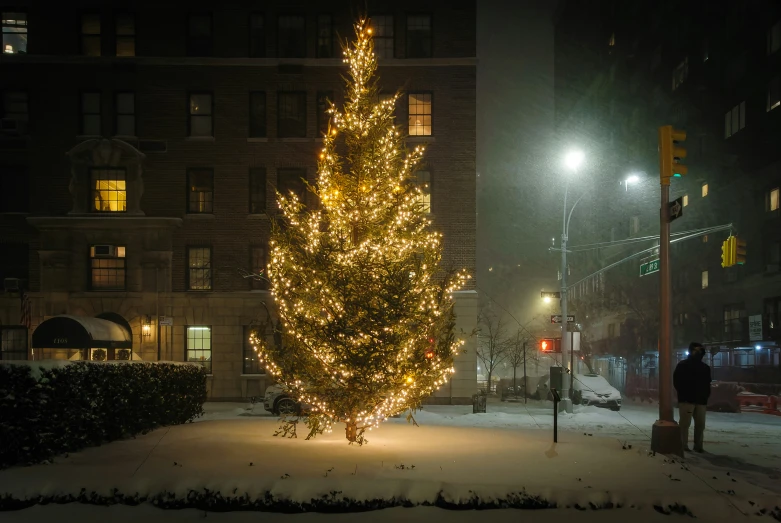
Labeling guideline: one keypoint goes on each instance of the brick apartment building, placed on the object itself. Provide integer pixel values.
(622, 69)
(140, 151)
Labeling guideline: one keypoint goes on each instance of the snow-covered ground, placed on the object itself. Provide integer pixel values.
(454, 457)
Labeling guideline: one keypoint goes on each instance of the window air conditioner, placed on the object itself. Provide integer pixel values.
(105, 251)
(12, 284)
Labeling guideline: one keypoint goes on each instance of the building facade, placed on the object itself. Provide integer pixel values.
(141, 150)
(712, 69)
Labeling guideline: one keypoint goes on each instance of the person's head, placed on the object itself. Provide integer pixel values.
(696, 351)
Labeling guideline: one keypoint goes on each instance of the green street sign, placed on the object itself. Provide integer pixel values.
(649, 267)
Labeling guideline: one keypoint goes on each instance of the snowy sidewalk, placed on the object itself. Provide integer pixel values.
(416, 465)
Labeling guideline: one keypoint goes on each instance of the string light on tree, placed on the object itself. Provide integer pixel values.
(366, 309)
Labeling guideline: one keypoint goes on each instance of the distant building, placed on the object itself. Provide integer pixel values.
(141, 147)
(622, 69)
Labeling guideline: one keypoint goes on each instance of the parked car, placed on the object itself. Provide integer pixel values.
(593, 389)
(278, 402)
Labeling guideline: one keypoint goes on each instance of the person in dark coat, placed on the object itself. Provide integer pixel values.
(692, 383)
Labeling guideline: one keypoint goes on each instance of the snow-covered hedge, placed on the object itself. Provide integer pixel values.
(47, 409)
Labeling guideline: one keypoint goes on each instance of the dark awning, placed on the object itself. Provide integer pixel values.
(80, 332)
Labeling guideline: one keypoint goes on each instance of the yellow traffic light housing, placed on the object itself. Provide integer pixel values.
(738, 251)
(725, 253)
(671, 153)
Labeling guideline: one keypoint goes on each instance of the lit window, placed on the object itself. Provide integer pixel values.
(201, 122)
(90, 114)
(774, 93)
(325, 39)
(773, 199)
(612, 41)
(681, 73)
(420, 114)
(14, 33)
(90, 34)
(107, 268)
(199, 35)
(685, 200)
(13, 343)
(109, 190)
(419, 36)
(199, 346)
(423, 183)
(251, 364)
(704, 279)
(200, 184)
(199, 268)
(126, 34)
(383, 36)
(735, 119)
(704, 190)
(292, 37)
(291, 114)
(705, 239)
(774, 38)
(126, 114)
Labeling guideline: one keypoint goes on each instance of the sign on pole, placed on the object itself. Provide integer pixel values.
(551, 295)
(165, 321)
(755, 327)
(649, 267)
(556, 318)
(676, 208)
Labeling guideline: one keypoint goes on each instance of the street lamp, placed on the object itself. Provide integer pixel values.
(572, 160)
(546, 299)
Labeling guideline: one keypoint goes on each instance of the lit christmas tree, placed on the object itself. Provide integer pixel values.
(365, 308)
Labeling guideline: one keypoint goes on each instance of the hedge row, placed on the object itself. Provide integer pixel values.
(48, 410)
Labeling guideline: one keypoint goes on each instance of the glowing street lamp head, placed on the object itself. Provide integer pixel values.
(546, 299)
(573, 159)
(632, 178)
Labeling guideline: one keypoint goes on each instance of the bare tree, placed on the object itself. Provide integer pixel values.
(493, 343)
(520, 348)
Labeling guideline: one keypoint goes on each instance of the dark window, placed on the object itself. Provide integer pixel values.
(201, 122)
(257, 190)
(735, 119)
(257, 262)
(292, 36)
(774, 38)
(14, 190)
(257, 35)
(200, 191)
(125, 25)
(125, 122)
(90, 114)
(90, 34)
(419, 36)
(323, 117)
(199, 268)
(107, 268)
(13, 343)
(325, 38)
(199, 34)
(14, 261)
(251, 363)
(384, 42)
(773, 254)
(423, 182)
(14, 32)
(420, 114)
(257, 114)
(109, 190)
(291, 114)
(15, 112)
(199, 346)
(291, 180)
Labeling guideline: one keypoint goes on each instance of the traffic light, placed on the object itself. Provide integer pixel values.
(550, 345)
(726, 253)
(738, 251)
(671, 153)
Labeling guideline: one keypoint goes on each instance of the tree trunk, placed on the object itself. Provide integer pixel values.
(514, 391)
(488, 387)
(351, 432)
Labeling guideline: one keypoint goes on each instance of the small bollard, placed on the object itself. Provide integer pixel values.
(556, 400)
